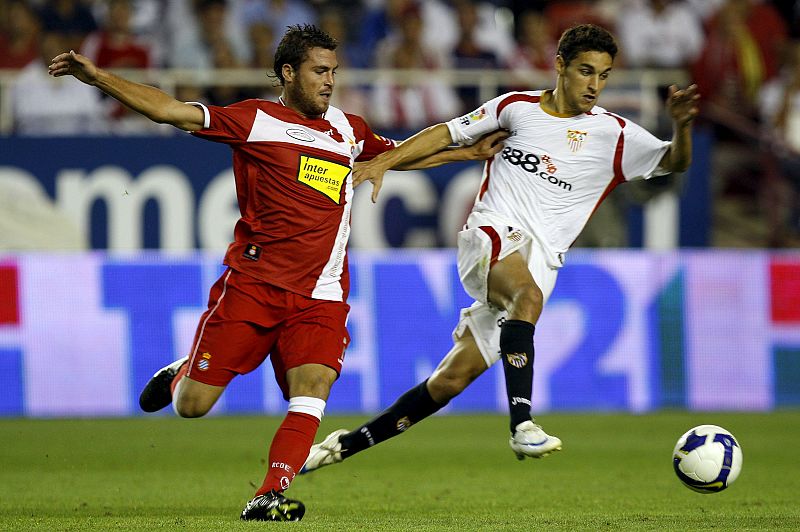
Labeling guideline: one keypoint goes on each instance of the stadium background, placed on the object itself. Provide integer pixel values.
(684, 292)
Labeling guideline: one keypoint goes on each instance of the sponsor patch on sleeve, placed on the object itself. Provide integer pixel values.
(327, 177)
(473, 117)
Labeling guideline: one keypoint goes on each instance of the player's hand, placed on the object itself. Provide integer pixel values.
(487, 146)
(73, 64)
(370, 171)
(683, 104)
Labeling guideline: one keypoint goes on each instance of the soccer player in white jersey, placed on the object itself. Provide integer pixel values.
(284, 294)
(564, 155)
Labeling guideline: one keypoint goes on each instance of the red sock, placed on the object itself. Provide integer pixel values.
(289, 450)
(184, 369)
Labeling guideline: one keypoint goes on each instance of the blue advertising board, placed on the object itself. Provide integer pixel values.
(80, 334)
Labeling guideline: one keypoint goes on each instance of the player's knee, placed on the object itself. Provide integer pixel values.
(187, 407)
(311, 381)
(527, 303)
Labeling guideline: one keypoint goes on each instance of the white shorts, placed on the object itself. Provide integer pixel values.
(485, 240)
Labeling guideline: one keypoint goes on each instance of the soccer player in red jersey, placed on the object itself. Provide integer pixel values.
(285, 290)
(563, 156)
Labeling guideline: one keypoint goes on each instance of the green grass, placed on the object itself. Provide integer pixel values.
(448, 473)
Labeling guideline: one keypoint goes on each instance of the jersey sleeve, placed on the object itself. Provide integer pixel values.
(371, 143)
(467, 129)
(642, 153)
(229, 125)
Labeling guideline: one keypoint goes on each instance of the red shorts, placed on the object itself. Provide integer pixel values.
(248, 320)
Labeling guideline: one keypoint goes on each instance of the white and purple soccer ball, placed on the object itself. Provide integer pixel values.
(707, 459)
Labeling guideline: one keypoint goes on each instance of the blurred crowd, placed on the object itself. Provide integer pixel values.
(743, 54)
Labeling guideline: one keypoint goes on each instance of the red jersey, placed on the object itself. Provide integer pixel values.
(294, 187)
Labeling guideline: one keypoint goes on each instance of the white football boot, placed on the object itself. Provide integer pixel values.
(327, 452)
(530, 440)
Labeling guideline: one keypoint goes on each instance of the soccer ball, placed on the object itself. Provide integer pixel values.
(707, 459)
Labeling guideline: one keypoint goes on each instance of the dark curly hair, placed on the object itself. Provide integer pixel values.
(586, 38)
(295, 44)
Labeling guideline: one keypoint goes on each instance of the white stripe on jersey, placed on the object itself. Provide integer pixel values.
(336, 116)
(329, 285)
(267, 128)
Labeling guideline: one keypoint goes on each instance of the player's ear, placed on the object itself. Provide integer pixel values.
(560, 64)
(288, 72)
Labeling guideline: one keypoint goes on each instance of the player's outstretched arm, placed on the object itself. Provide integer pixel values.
(153, 103)
(485, 148)
(682, 105)
(425, 143)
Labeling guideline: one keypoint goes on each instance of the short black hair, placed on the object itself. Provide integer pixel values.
(586, 38)
(295, 44)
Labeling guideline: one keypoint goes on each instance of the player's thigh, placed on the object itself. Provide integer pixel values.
(512, 287)
(462, 365)
(310, 380)
(315, 336)
(194, 399)
(493, 265)
(238, 330)
(224, 348)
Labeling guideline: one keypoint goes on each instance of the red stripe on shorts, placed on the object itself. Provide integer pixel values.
(489, 230)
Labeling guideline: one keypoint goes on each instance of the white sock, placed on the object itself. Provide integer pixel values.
(307, 405)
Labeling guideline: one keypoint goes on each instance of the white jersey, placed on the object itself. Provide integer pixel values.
(553, 172)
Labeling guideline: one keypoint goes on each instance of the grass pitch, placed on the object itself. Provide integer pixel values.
(448, 473)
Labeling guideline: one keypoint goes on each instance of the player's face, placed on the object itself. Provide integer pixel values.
(310, 87)
(582, 81)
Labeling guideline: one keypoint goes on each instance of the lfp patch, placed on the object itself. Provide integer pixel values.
(478, 114)
(324, 176)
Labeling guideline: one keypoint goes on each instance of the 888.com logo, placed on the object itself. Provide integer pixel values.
(533, 164)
